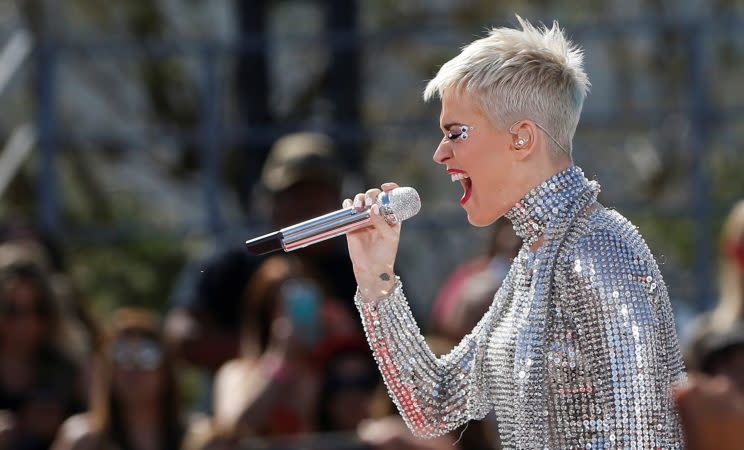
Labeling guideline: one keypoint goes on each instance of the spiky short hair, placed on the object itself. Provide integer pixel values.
(532, 73)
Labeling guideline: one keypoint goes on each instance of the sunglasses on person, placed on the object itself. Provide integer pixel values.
(138, 354)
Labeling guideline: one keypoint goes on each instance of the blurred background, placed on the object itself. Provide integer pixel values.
(134, 138)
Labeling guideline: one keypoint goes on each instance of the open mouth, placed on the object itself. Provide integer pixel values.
(464, 179)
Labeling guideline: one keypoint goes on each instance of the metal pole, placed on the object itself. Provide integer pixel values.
(344, 77)
(700, 111)
(210, 141)
(252, 90)
(47, 208)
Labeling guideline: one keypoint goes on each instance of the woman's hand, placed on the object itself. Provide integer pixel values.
(373, 249)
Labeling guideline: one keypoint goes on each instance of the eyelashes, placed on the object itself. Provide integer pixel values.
(460, 134)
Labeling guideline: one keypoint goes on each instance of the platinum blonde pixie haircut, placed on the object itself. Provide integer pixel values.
(532, 73)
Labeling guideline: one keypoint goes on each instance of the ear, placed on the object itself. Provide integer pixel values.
(523, 138)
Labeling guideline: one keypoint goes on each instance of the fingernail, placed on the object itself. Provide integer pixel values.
(357, 203)
(376, 209)
(346, 203)
(368, 200)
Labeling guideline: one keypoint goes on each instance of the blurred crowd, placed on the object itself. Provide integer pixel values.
(284, 360)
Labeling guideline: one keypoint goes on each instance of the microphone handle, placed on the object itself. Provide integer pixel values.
(310, 231)
(320, 228)
(315, 222)
(324, 227)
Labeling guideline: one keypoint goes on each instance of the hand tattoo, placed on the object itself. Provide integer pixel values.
(384, 277)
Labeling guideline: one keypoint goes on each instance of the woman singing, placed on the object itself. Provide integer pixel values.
(578, 348)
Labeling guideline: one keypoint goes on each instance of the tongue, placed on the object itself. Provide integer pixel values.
(467, 187)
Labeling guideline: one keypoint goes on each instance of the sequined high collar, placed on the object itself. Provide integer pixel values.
(532, 213)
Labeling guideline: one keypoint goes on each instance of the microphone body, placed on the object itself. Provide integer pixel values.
(395, 206)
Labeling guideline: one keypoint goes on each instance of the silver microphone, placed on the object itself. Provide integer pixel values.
(396, 206)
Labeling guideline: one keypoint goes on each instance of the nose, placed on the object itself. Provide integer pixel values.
(442, 153)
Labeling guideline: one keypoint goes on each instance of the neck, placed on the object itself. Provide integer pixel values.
(142, 424)
(546, 200)
(540, 170)
(142, 415)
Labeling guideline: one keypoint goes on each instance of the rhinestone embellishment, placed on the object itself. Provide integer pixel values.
(577, 350)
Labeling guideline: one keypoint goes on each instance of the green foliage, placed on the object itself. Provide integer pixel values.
(137, 272)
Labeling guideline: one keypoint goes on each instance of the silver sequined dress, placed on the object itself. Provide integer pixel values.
(577, 350)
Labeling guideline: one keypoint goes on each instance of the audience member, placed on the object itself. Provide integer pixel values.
(46, 248)
(730, 307)
(716, 338)
(350, 379)
(711, 404)
(22, 245)
(712, 413)
(721, 353)
(134, 396)
(203, 434)
(204, 321)
(272, 389)
(40, 380)
(302, 179)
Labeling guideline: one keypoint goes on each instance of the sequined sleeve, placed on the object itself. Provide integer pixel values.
(616, 357)
(433, 394)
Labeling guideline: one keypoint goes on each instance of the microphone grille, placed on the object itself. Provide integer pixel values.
(404, 202)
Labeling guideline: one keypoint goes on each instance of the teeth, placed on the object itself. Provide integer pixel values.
(459, 176)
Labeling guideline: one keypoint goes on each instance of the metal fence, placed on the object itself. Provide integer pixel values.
(212, 134)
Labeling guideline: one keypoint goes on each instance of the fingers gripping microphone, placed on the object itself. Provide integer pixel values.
(396, 206)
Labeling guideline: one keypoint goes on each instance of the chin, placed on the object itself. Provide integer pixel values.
(483, 217)
(481, 220)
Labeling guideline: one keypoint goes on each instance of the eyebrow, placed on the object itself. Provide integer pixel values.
(449, 125)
